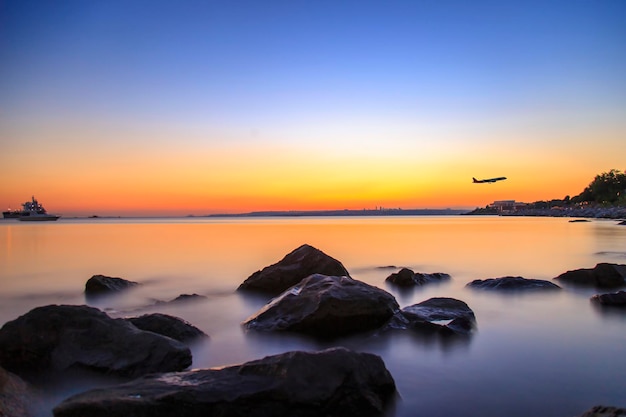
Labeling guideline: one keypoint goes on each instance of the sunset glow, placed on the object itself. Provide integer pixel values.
(161, 108)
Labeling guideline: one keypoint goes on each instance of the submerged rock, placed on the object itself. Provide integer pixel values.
(513, 284)
(54, 339)
(616, 299)
(170, 326)
(184, 298)
(603, 411)
(101, 284)
(407, 278)
(334, 382)
(603, 275)
(326, 306)
(293, 268)
(430, 316)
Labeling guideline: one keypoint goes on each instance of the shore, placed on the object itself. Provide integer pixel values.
(617, 213)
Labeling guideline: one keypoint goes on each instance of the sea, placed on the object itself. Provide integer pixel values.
(535, 354)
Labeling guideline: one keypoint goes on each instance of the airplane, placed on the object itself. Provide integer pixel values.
(488, 180)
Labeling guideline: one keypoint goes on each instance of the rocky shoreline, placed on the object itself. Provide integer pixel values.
(615, 213)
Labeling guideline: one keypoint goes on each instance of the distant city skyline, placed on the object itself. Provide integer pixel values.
(200, 107)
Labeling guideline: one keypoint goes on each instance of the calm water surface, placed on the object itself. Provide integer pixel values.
(533, 354)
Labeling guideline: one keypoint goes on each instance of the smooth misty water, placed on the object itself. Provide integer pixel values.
(533, 354)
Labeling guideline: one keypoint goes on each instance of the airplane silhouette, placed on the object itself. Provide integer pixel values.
(488, 180)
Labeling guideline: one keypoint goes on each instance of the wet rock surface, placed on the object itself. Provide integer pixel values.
(407, 278)
(603, 275)
(101, 285)
(513, 284)
(616, 299)
(334, 382)
(55, 339)
(326, 306)
(293, 268)
(16, 396)
(170, 326)
(430, 316)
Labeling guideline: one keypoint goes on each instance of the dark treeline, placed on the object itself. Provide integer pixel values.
(605, 196)
(606, 189)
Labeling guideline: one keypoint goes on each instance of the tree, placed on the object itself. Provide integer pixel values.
(608, 188)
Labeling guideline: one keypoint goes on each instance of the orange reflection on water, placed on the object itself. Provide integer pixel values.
(223, 252)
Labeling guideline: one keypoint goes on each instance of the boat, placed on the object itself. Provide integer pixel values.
(34, 216)
(11, 214)
(31, 211)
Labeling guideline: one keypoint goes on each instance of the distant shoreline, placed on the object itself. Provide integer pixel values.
(345, 212)
(588, 212)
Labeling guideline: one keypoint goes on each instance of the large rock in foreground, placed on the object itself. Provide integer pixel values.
(616, 299)
(334, 382)
(326, 306)
(293, 268)
(407, 278)
(54, 339)
(16, 397)
(513, 284)
(603, 275)
(101, 285)
(170, 326)
(430, 316)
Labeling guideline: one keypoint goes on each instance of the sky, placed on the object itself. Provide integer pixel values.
(132, 107)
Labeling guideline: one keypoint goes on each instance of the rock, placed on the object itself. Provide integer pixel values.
(617, 299)
(184, 298)
(58, 338)
(439, 308)
(602, 411)
(461, 325)
(513, 284)
(189, 297)
(402, 278)
(100, 284)
(603, 275)
(170, 326)
(425, 316)
(293, 268)
(334, 383)
(407, 278)
(326, 306)
(16, 396)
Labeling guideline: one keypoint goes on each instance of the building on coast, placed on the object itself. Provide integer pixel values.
(507, 206)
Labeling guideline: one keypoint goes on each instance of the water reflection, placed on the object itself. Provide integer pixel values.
(530, 349)
(446, 342)
(611, 312)
(405, 295)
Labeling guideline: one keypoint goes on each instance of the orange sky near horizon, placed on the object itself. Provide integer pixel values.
(177, 180)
